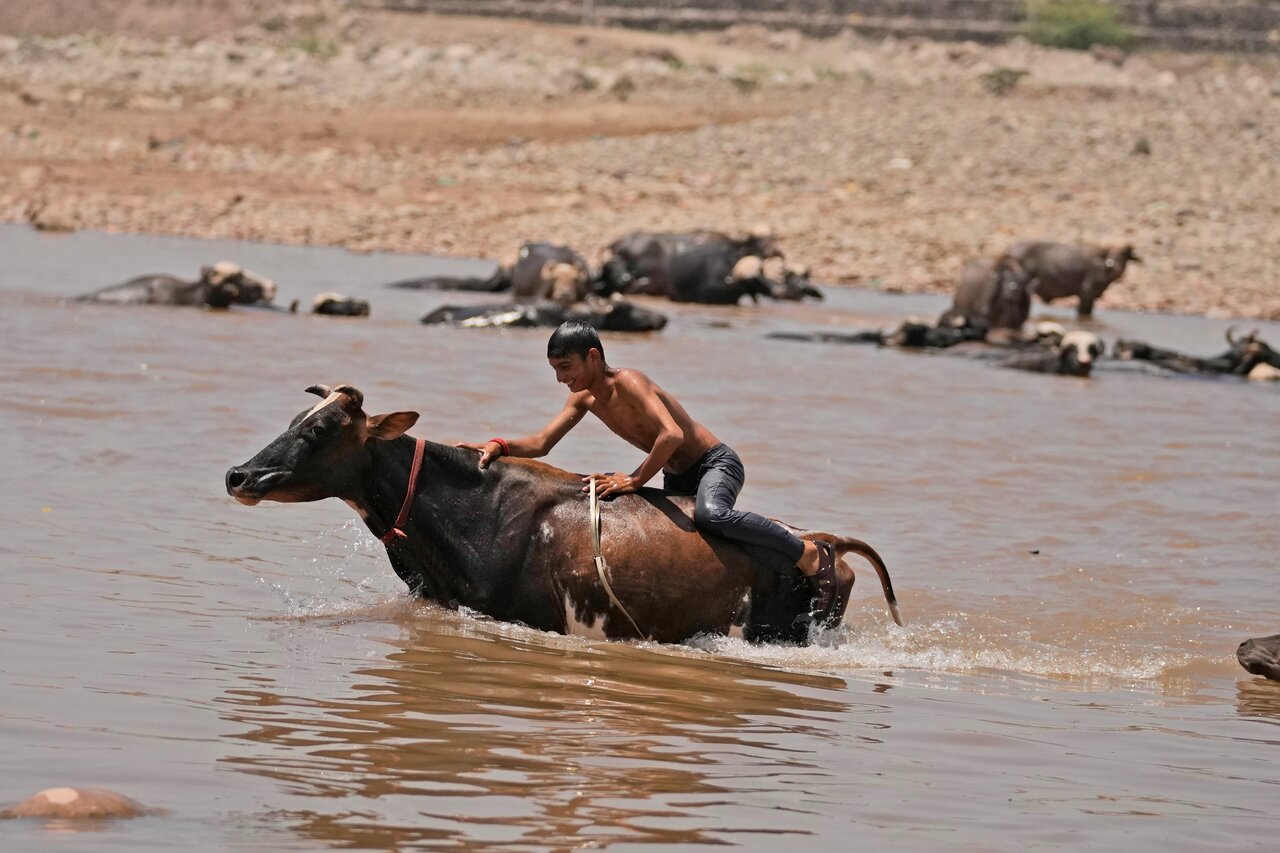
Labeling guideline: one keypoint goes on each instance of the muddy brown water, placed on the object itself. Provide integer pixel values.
(1076, 561)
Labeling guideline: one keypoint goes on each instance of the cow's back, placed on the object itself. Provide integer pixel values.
(1059, 269)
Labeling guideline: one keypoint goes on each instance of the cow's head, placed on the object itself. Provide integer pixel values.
(322, 453)
(564, 283)
(795, 285)
(1249, 351)
(1078, 352)
(250, 288)
(1115, 260)
(761, 242)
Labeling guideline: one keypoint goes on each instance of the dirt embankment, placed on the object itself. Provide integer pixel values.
(883, 163)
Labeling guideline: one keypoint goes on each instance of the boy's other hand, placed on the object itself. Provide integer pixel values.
(489, 451)
(611, 484)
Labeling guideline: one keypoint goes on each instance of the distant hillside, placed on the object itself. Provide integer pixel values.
(1244, 25)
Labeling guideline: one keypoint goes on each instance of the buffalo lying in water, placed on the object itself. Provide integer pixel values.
(1051, 349)
(513, 540)
(700, 266)
(220, 285)
(540, 271)
(607, 315)
(1261, 656)
(1249, 356)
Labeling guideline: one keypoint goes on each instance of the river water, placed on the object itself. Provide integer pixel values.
(1076, 562)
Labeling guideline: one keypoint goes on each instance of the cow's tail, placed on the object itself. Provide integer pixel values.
(845, 545)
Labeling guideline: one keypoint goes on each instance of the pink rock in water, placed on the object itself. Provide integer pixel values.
(76, 803)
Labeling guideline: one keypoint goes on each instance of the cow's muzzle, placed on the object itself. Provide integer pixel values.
(249, 486)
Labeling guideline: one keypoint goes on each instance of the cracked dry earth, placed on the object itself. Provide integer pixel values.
(885, 164)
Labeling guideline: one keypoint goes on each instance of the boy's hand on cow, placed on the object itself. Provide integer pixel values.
(489, 451)
(611, 484)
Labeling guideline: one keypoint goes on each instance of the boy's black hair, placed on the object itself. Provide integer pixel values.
(574, 337)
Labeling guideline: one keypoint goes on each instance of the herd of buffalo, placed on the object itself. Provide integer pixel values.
(550, 283)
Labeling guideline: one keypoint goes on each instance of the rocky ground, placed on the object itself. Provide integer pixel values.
(880, 163)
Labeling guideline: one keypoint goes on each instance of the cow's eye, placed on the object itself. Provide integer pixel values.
(316, 432)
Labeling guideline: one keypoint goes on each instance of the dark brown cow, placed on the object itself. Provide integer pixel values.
(513, 540)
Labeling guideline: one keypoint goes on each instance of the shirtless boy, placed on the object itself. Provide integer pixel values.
(692, 460)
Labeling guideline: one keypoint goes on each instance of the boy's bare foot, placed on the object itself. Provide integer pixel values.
(818, 564)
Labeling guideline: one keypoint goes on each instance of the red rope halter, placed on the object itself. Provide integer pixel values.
(395, 534)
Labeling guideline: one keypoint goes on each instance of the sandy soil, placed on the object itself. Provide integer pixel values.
(885, 164)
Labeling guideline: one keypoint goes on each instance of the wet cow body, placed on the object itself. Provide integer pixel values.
(513, 540)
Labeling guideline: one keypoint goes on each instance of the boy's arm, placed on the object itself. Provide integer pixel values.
(538, 444)
(669, 439)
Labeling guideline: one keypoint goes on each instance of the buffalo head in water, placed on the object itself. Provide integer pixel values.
(1261, 656)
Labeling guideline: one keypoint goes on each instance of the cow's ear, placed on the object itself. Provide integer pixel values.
(394, 425)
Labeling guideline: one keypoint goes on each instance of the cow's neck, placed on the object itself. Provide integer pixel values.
(451, 524)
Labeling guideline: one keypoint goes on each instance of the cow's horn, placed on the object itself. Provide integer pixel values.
(1231, 337)
(356, 395)
(319, 390)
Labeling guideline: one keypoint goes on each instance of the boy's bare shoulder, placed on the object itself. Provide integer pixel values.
(634, 380)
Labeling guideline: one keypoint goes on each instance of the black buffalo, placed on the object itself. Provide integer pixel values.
(1248, 356)
(220, 285)
(644, 262)
(608, 315)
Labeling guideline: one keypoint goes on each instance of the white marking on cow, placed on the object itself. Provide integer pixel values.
(1086, 344)
(326, 401)
(593, 630)
(738, 632)
(749, 266)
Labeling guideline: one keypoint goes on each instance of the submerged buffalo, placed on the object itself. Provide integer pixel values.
(1072, 354)
(606, 315)
(995, 293)
(514, 540)
(690, 266)
(540, 271)
(1261, 656)
(549, 271)
(1248, 356)
(337, 305)
(1061, 270)
(220, 285)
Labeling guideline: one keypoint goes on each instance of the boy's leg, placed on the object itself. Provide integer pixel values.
(714, 512)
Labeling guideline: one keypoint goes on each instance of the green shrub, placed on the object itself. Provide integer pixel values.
(1076, 24)
(1002, 81)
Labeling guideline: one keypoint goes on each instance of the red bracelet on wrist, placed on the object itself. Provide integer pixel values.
(502, 442)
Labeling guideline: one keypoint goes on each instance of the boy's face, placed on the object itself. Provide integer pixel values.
(575, 371)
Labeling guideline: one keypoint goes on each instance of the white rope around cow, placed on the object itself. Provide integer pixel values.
(601, 567)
